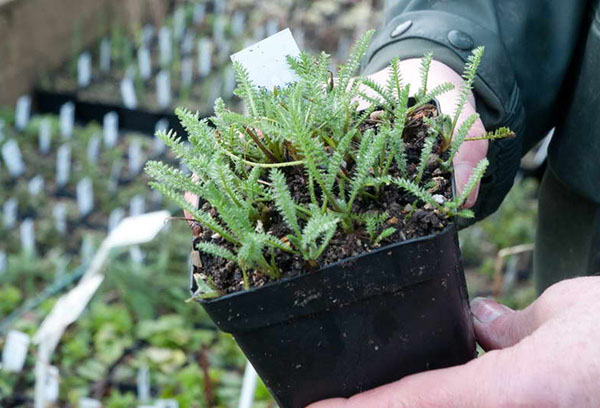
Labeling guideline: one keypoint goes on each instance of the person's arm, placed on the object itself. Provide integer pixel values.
(546, 356)
(529, 48)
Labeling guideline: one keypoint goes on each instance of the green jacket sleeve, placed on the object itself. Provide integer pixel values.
(529, 48)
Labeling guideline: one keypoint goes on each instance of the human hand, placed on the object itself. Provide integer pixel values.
(471, 153)
(545, 356)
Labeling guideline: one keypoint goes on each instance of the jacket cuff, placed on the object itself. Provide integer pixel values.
(451, 39)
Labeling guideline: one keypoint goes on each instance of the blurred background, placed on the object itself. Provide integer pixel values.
(84, 84)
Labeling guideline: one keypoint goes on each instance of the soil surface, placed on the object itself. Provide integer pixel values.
(411, 218)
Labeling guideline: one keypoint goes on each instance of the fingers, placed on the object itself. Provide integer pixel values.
(497, 326)
(469, 386)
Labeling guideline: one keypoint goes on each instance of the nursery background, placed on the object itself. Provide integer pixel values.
(83, 87)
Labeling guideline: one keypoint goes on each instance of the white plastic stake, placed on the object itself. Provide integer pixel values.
(187, 71)
(59, 212)
(187, 44)
(67, 120)
(143, 384)
(158, 146)
(272, 27)
(204, 56)
(85, 196)
(110, 129)
(115, 218)
(51, 384)
(238, 23)
(220, 6)
(179, 23)
(10, 209)
(35, 185)
(163, 89)
(22, 112)
(266, 61)
(219, 29)
(27, 233)
(137, 205)
(137, 229)
(199, 12)
(14, 352)
(105, 51)
(165, 46)
(128, 93)
(89, 403)
(137, 255)
(229, 81)
(3, 262)
(147, 34)
(166, 403)
(63, 165)
(45, 136)
(248, 387)
(115, 174)
(84, 69)
(11, 154)
(87, 249)
(136, 161)
(144, 62)
(93, 148)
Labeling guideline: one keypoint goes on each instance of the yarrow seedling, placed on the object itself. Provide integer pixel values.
(304, 179)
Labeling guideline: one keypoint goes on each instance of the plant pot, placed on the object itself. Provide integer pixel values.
(356, 324)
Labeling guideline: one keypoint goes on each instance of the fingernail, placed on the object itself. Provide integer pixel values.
(487, 310)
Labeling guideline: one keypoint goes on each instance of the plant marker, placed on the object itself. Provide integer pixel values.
(89, 403)
(63, 165)
(9, 212)
(27, 234)
(84, 69)
(218, 32)
(248, 387)
(204, 56)
(266, 61)
(187, 71)
(3, 262)
(11, 154)
(87, 249)
(165, 46)
(187, 44)
(147, 34)
(143, 383)
(130, 231)
(110, 129)
(105, 51)
(144, 63)
(85, 197)
(179, 23)
(59, 212)
(15, 351)
(199, 12)
(115, 218)
(229, 79)
(128, 93)
(220, 6)
(272, 27)
(35, 185)
(136, 161)
(67, 120)
(137, 205)
(22, 112)
(115, 172)
(158, 146)
(45, 136)
(137, 255)
(238, 23)
(166, 403)
(163, 89)
(93, 148)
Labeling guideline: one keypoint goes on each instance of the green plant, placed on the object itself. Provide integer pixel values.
(304, 166)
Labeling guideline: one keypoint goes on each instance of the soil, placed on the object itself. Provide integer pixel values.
(411, 218)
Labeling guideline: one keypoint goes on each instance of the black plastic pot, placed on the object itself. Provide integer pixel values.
(356, 324)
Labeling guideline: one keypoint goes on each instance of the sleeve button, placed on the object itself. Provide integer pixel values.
(460, 40)
(401, 29)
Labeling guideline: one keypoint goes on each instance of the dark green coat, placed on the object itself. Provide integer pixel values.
(541, 69)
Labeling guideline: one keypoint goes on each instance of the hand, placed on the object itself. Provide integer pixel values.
(471, 153)
(546, 356)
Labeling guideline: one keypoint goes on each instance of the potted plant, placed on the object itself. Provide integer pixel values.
(324, 237)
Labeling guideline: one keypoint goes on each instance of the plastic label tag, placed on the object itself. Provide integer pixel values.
(204, 56)
(199, 13)
(136, 161)
(179, 23)
(23, 110)
(9, 212)
(89, 403)
(147, 34)
(144, 63)
(3, 262)
(84, 69)
(35, 185)
(11, 154)
(158, 146)
(143, 384)
(187, 71)
(67, 119)
(165, 46)
(15, 351)
(271, 27)
(59, 212)
(163, 89)
(45, 136)
(115, 218)
(238, 23)
(110, 129)
(105, 50)
(266, 61)
(137, 255)
(87, 250)
(128, 93)
(85, 196)
(27, 233)
(63, 165)
(166, 403)
(218, 32)
(137, 205)
(187, 45)
(51, 384)
(93, 148)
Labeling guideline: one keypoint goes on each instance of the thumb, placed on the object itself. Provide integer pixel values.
(498, 326)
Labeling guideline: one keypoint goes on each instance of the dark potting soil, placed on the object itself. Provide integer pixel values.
(411, 218)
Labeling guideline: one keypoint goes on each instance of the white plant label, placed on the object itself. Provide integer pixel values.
(157, 198)
(89, 403)
(115, 172)
(11, 154)
(272, 27)
(27, 233)
(219, 29)
(137, 255)
(187, 71)
(110, 129)
(224, 51)
(179, 23)
(144, 62)
(115, 218)
(45, 136)
(84, 69)
(166, 403)
(59, 212)
(187, 44)
(266, 61)
(105, 51)
(128, 93)
(15, 351)
(238, 23)
(204, 56)
(3, 262)
(51, 384)
(143, 383)
(229, 81)
(63, 165)
(93, 148)
(136, 160)
(165, 45)
(10, 209)
(85, 196)
(199, 12)
(87, 249)
(1, 130)
(158, 146)
(35, 185)
(163, 89)
(220, 6)
(23, 110)
(137, 205)
(67, 120)
(147, 34)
